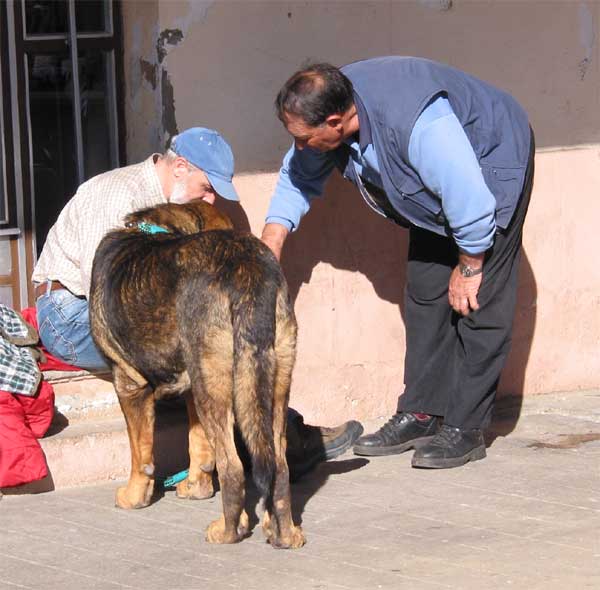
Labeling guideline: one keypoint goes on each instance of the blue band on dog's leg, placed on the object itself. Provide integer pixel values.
(175, 479)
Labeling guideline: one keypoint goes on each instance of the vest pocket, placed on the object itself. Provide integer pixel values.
(504, 183)
(425, 200)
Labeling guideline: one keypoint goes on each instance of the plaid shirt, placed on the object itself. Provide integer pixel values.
(99, 206)
(19, 372)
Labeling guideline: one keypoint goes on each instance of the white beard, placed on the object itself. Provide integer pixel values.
(179, 192)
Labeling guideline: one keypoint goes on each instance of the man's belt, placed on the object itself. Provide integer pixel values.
(43, 288)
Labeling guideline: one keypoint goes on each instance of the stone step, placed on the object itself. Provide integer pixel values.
(84, 453)
(82, 396)
(87, 442)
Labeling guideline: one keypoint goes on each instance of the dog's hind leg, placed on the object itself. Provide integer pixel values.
(277, 524)
(233, 525)
(198, 485)
(137, 404)
(214, 398)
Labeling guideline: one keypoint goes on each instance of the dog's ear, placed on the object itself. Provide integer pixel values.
(159, 218)
(149, 215)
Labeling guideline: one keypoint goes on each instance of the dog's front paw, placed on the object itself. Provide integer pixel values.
(201, 489)
(134, 496)
(218, 533)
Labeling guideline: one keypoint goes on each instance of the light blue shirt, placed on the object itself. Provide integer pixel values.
(438, 150)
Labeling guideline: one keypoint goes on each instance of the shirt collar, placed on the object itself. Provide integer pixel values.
(364, 133)
(152, 177)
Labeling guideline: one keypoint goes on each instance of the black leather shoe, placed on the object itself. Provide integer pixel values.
(307, 445)
(400, 433)
(451, 447)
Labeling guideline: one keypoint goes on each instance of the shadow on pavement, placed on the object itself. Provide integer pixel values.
(171, 456)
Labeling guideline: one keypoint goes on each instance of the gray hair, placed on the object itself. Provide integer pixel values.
(170, 156)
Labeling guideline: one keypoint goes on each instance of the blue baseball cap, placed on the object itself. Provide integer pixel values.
(207, 150)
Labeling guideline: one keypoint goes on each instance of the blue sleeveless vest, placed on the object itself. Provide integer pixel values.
(393, 92)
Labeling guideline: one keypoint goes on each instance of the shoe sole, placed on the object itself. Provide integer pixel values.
(355, 430)
(447, 463)
(415, 443)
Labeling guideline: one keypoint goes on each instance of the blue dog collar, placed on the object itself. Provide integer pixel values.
(150, 228)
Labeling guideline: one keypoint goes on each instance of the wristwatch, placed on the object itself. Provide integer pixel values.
(469, 271)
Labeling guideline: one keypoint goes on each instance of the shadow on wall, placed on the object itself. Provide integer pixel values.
(512, 381)
(341, 231)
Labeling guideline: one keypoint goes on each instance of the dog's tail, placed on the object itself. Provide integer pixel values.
(253, 378)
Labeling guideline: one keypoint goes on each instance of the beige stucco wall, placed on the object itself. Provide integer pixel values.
(220, 63)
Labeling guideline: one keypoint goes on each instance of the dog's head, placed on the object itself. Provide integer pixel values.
(186, 218)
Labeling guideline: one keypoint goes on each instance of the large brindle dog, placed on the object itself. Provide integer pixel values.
(181, 303)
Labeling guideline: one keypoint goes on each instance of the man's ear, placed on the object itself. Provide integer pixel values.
(180, 166)
(334, 121)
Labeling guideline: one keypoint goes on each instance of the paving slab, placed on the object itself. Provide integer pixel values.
(527, 517)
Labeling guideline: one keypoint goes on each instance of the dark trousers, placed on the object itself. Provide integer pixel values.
(453, 363)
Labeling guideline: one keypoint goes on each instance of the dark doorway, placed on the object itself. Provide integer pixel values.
(69, 73)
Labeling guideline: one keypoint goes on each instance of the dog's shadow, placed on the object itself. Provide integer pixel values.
(303, 489)
(307, 486)
(171, 457)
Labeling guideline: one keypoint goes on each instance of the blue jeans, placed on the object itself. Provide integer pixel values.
(64, 327)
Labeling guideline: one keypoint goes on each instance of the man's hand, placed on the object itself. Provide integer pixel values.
(274, 236)
(462, 290)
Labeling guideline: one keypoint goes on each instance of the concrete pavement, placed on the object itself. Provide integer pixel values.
(527, 517)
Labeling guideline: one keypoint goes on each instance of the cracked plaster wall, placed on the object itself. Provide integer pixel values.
(219, 63)
(151, 30)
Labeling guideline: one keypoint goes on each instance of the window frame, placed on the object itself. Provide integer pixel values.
(9, 225)
(23, 221)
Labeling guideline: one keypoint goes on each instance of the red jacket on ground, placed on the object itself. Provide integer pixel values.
(23, 420)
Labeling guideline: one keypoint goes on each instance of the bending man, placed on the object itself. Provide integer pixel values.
(450, 158)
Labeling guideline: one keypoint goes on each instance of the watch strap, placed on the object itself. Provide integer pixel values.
(469, 271)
